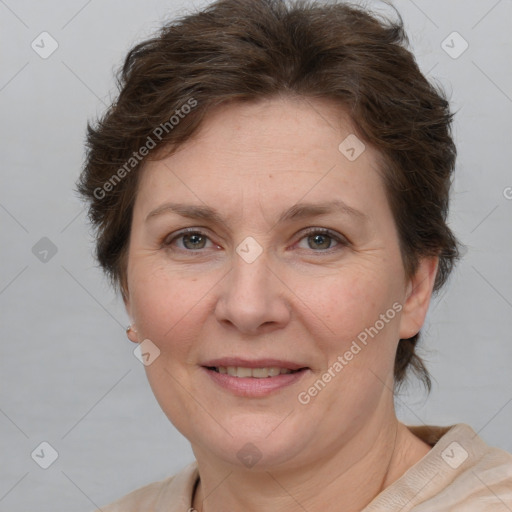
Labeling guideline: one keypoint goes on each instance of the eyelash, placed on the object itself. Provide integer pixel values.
(340, 240)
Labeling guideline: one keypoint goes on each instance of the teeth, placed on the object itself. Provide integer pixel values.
(258, 373)
(243, 372)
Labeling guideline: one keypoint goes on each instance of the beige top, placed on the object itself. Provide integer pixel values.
(460, 473)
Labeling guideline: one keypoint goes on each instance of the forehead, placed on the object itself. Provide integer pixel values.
(286, 129)
(277, 151)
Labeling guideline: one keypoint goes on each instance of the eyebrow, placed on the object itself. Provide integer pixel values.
(187, 210)
(302, 210)
(295, 212)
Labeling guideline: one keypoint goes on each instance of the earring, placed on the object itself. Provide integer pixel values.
(129, 330)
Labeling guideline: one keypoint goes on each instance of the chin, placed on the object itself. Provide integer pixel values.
(255, 442)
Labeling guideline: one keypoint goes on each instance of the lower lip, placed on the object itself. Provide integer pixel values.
(254, 387)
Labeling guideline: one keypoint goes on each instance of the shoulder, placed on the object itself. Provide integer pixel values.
(467, 474)
(460, 473)
(173, 493)
(143, 498)
(480, 474)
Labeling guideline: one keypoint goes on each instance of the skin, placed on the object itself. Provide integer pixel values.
(300, 300)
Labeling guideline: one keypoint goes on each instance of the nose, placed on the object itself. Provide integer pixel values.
(252, 298)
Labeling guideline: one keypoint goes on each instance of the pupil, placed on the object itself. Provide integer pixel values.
(320, 241)
(193, 241)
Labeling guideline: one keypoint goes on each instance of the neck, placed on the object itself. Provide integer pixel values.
(346, 481)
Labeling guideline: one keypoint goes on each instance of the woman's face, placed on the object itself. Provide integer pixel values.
(263, 243)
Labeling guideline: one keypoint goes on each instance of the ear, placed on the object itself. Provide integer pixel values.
(131, 331)
(418, 295)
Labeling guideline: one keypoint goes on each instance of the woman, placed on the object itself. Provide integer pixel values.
(271, 191)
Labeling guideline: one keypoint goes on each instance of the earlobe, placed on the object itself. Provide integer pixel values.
(417, 300)
(131, 332)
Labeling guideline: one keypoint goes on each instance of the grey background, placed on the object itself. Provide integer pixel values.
(68, 374)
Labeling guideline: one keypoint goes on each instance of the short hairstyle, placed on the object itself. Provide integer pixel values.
(248, 50)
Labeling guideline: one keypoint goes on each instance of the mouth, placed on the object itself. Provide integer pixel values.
(256, 373)
(260, 378)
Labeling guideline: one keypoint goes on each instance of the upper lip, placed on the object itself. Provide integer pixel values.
(254, 363)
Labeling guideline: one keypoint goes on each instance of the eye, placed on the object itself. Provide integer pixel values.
(321, 240)
(190, 240)
(194, 241)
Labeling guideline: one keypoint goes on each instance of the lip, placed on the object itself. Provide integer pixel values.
(254, 363)
(250, 387)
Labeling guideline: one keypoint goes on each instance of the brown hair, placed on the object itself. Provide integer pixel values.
(243, 50)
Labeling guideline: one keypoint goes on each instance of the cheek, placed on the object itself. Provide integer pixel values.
(358, 343)
(168, 309)
(349, 301)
